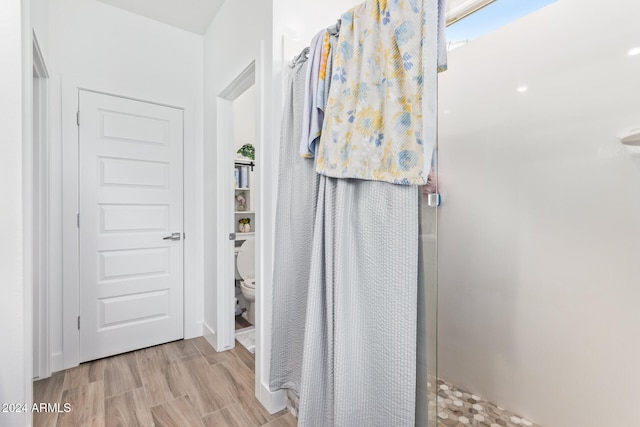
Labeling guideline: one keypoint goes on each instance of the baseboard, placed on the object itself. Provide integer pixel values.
(210, 335)
(197, 330)
(273, 401)
(57, 362)
(193, 331)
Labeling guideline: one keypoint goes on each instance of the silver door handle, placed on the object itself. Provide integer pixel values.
(174, 236)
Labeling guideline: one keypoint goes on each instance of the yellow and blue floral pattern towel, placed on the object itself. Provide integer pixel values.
(380, 118)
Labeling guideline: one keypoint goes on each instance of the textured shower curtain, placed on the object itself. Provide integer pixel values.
(344, 290)
(295, 219)
(359, 364)
(345, 312)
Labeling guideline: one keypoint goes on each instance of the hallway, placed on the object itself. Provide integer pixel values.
(179, 384)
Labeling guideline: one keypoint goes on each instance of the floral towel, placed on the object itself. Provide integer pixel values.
(380, 119)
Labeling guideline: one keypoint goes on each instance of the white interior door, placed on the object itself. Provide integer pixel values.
(131, 201)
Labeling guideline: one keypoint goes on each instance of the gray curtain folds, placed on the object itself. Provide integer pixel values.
(295, 218)
(359, 364)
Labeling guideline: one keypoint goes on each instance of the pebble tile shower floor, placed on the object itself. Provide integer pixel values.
(459, 408)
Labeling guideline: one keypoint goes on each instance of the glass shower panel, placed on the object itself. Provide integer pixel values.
(538, 234)
(427, 354)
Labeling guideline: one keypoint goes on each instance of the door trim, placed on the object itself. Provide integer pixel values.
(41, 217)
(223, 338)
(192, 198)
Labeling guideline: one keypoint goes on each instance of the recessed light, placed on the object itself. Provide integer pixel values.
(633, 52)
(522, 89)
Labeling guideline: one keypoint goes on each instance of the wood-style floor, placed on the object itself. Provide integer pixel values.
(241, 323)
(179, 384)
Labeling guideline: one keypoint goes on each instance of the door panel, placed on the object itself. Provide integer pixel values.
(131, 172)
(134, 173)
(127, 218)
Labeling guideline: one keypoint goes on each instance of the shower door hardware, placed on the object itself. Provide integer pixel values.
(434, 200)
(174, 236)
(232, 236)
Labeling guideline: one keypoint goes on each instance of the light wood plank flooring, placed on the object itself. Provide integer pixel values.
(241, 323)
(179, 384)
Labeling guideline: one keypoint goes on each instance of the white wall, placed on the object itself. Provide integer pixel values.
(244, 119)
(15, 334)
(539, 233)
(227, 53)
(40, 25)
(300, 21)
(297, 20)
(129, 55)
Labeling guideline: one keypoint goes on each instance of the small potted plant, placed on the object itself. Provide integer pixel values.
(248, 151)
(244, 225)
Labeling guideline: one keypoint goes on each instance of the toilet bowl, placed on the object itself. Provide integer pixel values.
(241, 303)
(245, 265)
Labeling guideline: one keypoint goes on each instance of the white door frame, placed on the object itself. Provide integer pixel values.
(71, 85)
(41, 182)
(224, 337)
(221, 334)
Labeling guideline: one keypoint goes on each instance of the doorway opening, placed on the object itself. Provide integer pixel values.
(245, 202)
(239, 217)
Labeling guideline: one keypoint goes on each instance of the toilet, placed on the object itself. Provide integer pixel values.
(245, 266)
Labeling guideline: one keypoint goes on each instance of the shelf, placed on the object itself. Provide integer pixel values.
(242, 189)
(245, 163)
(632, 138)
(245, 212)
(245, 236)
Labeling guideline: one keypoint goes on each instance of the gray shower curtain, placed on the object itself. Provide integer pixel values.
(295, 219)
(359, 365)
(344, 290)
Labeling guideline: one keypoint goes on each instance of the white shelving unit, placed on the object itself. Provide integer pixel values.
(248, 213)
(246, 236)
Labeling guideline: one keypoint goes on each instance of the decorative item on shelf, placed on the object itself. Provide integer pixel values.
(244, 225)
(244, 176)
(248, 151)
(242, 202)
(236, 177)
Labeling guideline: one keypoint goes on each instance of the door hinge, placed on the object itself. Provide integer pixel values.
(184, 236)
(78, 220)
(78, 117)
(78, 322)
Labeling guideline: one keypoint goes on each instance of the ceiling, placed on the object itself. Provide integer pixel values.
(190, 15)
(196, 15)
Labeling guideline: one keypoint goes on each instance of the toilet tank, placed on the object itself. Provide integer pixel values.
(245, 261)
(235, 262)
